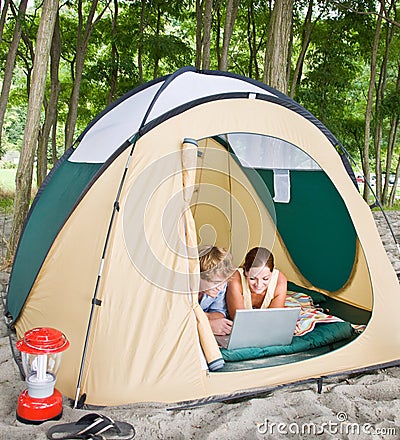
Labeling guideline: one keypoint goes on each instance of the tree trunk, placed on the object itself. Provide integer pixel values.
(305, 42)
(380, 94)
(158, 31)
(199, 27)
(368, 110)
(114, 57)
(10, 63)
(252, 42)
(207, 34)
(28, 61)
(231, 11)
(392, 196)
(277, 52)
(394, 124)
(51, 107)
(25, 167)
(140, 46)
(289, 57)
(3, 17)
(54, 141)
(218, 27)
(81, 49)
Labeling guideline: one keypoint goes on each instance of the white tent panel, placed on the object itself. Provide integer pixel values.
(191, 86)
(123, 121)
(114, 128)
(267, 152)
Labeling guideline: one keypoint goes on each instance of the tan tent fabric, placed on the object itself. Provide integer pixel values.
(189, 160)
(226, 208)
(61, 296)
(206, 337)
(143, 346)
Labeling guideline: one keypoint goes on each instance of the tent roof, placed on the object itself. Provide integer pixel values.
(148, 105)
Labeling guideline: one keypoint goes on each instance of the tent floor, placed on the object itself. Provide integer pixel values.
(283, 359)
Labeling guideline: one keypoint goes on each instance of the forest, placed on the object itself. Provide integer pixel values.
(63, 62)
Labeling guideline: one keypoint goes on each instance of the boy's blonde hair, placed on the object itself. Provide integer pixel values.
(215, 261)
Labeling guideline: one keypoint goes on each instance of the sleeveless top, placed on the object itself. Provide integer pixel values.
(269, 295)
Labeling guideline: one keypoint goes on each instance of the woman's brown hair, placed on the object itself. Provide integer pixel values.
(258, 257)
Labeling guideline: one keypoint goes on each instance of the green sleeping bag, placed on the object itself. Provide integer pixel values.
(322, 335)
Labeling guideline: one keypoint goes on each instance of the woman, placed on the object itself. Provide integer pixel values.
(257, 285)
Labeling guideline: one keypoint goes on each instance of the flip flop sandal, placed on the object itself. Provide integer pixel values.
(92, 426)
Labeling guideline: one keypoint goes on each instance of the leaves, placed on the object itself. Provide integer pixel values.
(155, 37)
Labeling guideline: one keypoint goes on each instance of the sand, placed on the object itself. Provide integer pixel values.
(358, 407)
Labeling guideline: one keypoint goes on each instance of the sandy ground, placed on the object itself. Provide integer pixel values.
(357, 407)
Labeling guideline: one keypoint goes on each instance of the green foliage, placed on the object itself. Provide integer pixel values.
(391, 104)
(7, 190)
(13, 129)
(336, 77)
(330, 70)
(252, 24)
(162, 38)
(6, 203)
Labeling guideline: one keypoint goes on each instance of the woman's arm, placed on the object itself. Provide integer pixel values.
(234, 294)
(280, 292)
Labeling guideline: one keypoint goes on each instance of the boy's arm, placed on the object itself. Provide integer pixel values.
(220, 325)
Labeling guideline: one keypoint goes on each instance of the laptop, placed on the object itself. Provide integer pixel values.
(261, 328)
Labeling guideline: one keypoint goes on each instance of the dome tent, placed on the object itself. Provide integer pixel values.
(108, 253)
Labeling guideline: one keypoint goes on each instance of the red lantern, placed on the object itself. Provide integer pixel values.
(41, 350)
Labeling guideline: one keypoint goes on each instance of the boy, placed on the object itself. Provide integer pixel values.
(215, 269)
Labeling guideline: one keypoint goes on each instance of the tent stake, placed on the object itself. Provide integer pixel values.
(319, 385)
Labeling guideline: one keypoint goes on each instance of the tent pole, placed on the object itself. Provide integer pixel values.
(377, 203)
(95, 301)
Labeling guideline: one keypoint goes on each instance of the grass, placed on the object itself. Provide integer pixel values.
(7, 179)
(6, 201)
(6, 210)
(395, 207)
(396, 204)
(7, 190)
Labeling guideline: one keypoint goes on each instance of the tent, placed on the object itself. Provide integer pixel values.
(108, 254)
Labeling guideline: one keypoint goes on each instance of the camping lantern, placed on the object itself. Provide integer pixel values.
(41, 349)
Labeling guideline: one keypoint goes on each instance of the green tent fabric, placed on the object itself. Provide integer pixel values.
(327, 231)
(64, 187)
(323, 334)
